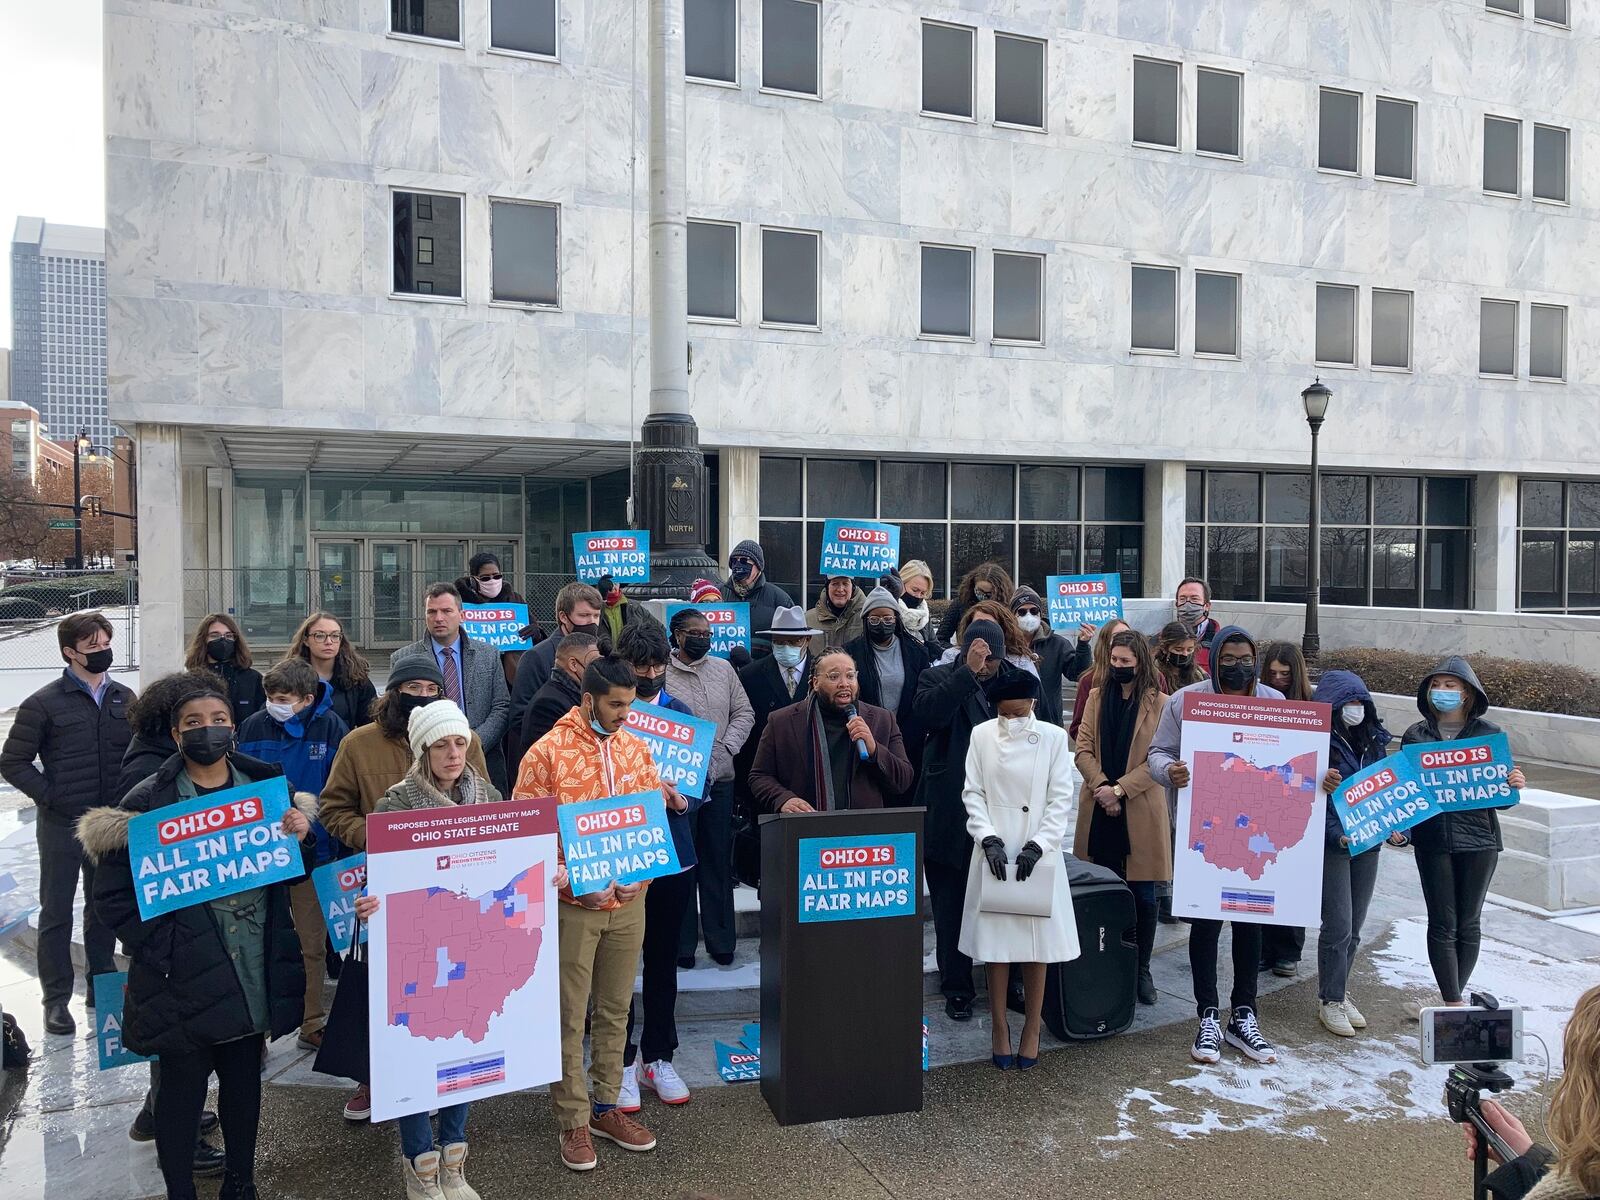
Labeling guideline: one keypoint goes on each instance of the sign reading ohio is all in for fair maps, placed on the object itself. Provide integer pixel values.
(1249, 845)
(464, 994)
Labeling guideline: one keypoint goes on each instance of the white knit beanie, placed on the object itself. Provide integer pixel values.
(434, 721)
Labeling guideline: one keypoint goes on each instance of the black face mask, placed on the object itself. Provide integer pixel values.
(221, 649)
(1180, 662)
(97, 662)
(1124, 674)
(696, 646)
(1236, 678)
(911, 601)
(881, 632)
(207, 744)
(591, 630)
(649, 686)
(409, 704)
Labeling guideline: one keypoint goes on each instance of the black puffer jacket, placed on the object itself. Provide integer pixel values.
(1450, 833)
(183, 992)
(246, 693)
(79, 745)
(353, 702)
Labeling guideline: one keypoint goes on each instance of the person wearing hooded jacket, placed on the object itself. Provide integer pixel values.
(889, 662)
(837, 612)
(1060, 661)
(1456, 852)
(748, 584)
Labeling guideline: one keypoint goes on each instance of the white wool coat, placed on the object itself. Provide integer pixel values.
(1019, 788)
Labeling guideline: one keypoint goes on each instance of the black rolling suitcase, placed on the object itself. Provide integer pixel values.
(1093, 996)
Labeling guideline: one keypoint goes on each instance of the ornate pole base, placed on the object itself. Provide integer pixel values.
(670, 489)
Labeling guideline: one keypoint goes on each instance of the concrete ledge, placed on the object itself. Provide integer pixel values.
(1548, 737)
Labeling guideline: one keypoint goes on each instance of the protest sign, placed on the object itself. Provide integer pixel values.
(496, 625)
(736, 1064)
(1463, 775)
(750, 1036)
(730, 625)
(1250, 821)
(16, 906)
(680, 744)
(1075, 600)
(860, 549)
(464, 968)
(110, 993)
(616, 839)
(338, 884)
(211, 847)
(1387, 797)
(857, 878)
(623, 554)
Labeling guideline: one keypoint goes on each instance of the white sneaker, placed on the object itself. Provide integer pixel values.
(628, 1097)
(1353, 1015)
(1334, 1020)
(663, 1079)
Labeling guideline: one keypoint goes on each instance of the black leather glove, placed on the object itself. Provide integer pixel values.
(1027, 859)
(995, 851)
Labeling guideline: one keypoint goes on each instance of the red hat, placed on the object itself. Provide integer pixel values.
(703, 591)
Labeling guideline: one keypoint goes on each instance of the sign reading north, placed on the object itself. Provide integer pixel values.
(498, 625)
(616, 839)
(861, 549)
(1083, 600)
(338, 884)
(211, 847)
(680, 744)
(623, 554)
(730, 625)
(858, 878)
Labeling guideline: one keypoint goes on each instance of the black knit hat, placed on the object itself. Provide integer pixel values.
(409, 670)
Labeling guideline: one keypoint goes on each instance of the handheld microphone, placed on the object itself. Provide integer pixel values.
(861, 746)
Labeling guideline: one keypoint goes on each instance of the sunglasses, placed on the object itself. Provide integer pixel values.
(489, 578)
(1027, 612)
(741, 562)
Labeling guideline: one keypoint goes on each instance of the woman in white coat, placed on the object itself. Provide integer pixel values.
(1018, 797)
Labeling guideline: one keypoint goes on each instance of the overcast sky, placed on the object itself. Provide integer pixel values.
(52, 152)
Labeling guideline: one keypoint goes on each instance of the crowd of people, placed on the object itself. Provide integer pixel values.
(864, 700)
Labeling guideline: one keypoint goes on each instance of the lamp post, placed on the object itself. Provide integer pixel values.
(80, 445)
(1315, 398)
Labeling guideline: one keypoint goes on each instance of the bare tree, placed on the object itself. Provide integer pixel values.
(24, 526)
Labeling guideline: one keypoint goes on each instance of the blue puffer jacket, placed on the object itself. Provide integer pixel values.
(304, 747)
(1350, 750)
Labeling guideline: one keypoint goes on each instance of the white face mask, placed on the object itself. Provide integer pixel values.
(279, 712)
(1011, 726)
(490, 587)
(1353, 714)
(1029, 622)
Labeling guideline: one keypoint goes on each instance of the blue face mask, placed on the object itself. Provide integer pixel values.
(1444, 700)
(788, 656)
(600, 730)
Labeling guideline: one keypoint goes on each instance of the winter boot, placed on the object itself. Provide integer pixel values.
(452, 1175)
(422, 1176)
(1146, 931)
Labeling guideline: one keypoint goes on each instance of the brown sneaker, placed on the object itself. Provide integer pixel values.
(577, 1150)
(617, 1126)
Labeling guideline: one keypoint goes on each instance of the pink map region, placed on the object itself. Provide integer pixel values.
(455, 959)
(1242, 816)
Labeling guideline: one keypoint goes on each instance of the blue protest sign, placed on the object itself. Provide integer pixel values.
(497, 625)
(750, 1036)
(15, 905)
(736, 1064)
(681, 745)
(338, 884)
(110, 992)
(858, 878)
(860, 549)
(730, 625)
(623, 554)
(616, 839)
(924, 1043)
(1387, 797)
(211, 847)
(1076, 600)
(1466, 774)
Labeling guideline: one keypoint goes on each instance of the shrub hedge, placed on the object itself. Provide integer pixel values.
(1510, 682)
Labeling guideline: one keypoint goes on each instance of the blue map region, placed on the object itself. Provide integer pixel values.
(1261, 844)
(449, 969)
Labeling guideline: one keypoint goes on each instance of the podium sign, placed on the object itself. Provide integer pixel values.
(841, 964)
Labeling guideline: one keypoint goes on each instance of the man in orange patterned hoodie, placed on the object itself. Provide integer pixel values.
(589, 755)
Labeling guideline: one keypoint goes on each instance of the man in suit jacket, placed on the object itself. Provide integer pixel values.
(473, 677)
(771, 682)
(809, 759)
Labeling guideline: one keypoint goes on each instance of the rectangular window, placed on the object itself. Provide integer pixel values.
(524, 241)
(946, 69)
(1502, 152)
(1217, 112)
(1549, 163)
(1155, 102)
(1394, 150)
(711, 40)
(436, 20)
(424, 208)
(1339, 131)
(789, 277)
(524, 26)
(1552, 11)
(790, 33)
(1547, 342)
(1018, 81)
(430, 264)
(1497, 338)
(1391, 329)
(946, 291)
(1336, 324)
(1216, 314)
(1155, 308)
(713, 252)
(1018, 297)
(1513, 7)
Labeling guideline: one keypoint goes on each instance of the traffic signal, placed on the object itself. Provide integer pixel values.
(91, 506)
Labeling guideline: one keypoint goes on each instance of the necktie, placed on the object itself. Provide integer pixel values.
(788, 679)
(452, 677)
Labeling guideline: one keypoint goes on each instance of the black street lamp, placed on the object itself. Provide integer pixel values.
(1315, 398)
(81, 445)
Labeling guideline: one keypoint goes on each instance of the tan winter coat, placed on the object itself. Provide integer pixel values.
(367, 764)
(1149, 832)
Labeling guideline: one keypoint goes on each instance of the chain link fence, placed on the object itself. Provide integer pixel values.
(31, 607)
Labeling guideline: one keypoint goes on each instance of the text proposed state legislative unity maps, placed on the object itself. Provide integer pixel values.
(1242, 816)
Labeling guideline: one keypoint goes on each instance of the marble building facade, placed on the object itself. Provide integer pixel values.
(254, 147)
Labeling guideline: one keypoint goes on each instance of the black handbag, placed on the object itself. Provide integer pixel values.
(344, 1051)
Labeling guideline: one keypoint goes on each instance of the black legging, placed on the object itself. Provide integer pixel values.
(184, 1080)
(1203, 939)
(1454, 886)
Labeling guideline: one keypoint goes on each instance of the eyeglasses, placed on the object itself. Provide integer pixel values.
(1028, 612)
(1228, 660)
(843, 674)
(325, 637)
(489, 578)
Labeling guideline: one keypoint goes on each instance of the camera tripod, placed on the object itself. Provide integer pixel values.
(1463, 1095)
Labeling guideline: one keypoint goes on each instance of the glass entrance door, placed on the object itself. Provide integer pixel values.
(339, 580)
(395, 589)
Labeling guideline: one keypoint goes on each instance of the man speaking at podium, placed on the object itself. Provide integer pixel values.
(830, 751)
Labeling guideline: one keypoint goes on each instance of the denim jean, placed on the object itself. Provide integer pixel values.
(416, 1129)
(1347, 885)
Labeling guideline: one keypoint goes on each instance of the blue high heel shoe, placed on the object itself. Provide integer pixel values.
(1002, 1061)
(1025, 1063)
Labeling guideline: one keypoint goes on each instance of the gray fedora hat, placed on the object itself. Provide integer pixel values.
(790, 622)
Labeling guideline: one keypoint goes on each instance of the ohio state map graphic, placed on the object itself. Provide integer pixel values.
(1241, 816)
(455, 959)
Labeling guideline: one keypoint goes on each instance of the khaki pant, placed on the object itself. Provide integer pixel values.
(307, 911)
(599, 956)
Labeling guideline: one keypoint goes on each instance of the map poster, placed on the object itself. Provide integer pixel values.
(730, 625)
(680, 744)
(1466, 774)
(623, 554)
(462, 954)
(110, 992)
(860, 549)
(1250, 822)
(616, 839)
(338, 884)
(498, 625)
(1076, 600)
(1385, 798)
